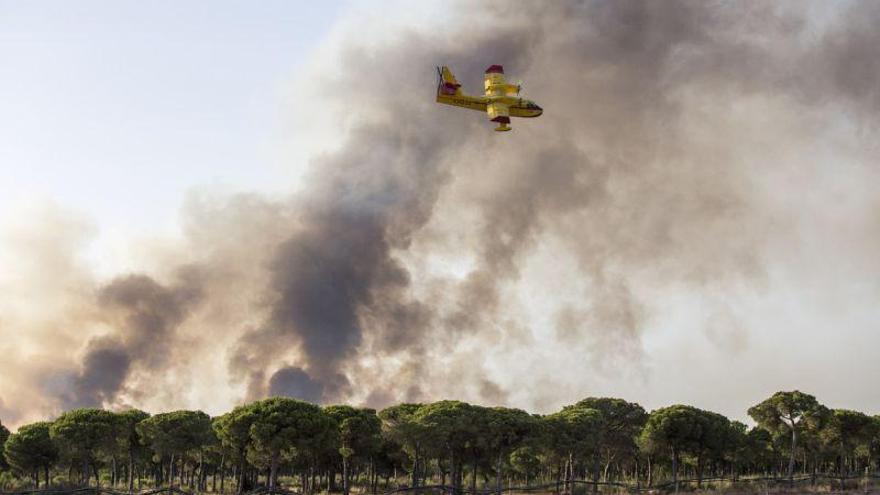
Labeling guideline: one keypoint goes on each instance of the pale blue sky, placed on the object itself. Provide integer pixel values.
(114, 109)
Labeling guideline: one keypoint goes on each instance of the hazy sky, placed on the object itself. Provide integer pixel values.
(203, 203)
(116, 109)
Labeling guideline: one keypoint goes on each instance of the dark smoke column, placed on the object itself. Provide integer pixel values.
(366, 201)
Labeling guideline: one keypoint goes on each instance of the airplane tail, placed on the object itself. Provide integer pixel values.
(447, 84)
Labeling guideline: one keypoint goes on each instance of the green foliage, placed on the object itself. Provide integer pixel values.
(874, 443)
(620, 423)
(759, 447)
(8, 481)
(574, 430)
(4, 434)
(234, 428)
(127, 436)
(289, 428)
(786, 411)
(127, 422)
(507, 429)
(175, 433)
(83, 435)
(441, 442)
(359, 429)
(848, 430)
(401, 429)
(400, 425)
(449, 426)
(31, 448)
(715, 434)
(795, 413)
(526, 462)
(674, 428)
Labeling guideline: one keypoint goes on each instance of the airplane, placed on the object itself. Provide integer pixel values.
(501, 101)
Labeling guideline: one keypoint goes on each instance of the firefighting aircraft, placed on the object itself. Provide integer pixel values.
(501, 100)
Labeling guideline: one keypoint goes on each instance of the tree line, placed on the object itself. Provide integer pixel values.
(340, 448)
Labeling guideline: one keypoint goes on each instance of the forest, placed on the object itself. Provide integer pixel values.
(283, 443)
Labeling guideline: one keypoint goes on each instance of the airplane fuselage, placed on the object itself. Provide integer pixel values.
(519, 107)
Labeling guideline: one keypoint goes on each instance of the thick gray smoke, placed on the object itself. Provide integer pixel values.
(104, 370)
(365, 202)
(617, 171)
(429, 257)
(144, 316)
(294, 382)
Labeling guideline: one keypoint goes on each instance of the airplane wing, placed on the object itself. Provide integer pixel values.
(499, 112)
(496, 84)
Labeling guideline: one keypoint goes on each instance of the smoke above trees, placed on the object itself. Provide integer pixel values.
(685, 171)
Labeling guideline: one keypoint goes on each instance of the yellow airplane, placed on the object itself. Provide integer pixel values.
(501, 100)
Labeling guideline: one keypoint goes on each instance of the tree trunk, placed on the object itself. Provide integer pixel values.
(130, 472)
(171, 471)
(453, 474)
(415, 469)
(498, 465)
(637, 473)
(566, 469)
(474, 476)
(791, 458)
(675, 470)
(273, 469)
(558, 478)
(700, 470)
(200, 479)
(314, 473)
(345, 479)
(459, 477)
(595, 476)
(240, 487)
(86, 476)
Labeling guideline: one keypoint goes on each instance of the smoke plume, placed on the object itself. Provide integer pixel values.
(673, 189)
(144, 315)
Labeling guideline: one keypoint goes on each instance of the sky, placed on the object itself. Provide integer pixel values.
(117, 109)
(206, 203)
